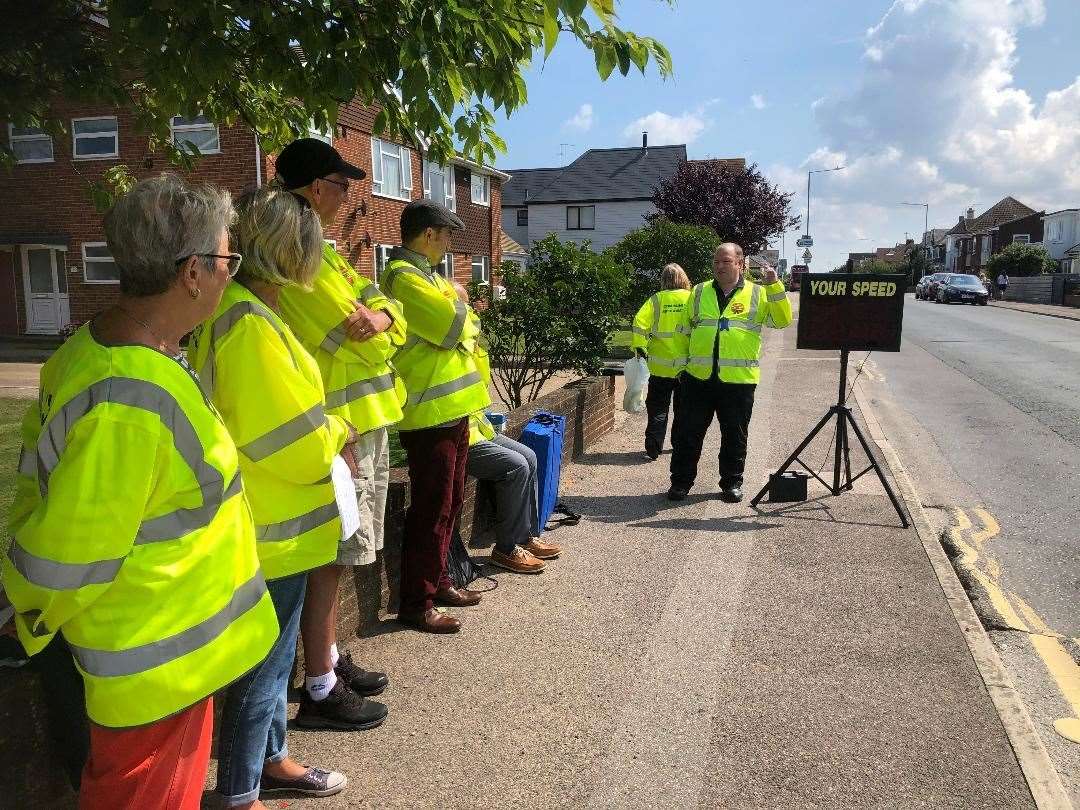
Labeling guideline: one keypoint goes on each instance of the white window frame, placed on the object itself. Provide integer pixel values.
(96, 260)
(445, 268)
(485, 188)
(326, 136)
(1024, 238)
(375, 250)
(175, 129)
(577, 209)
(381, 149)
(37, 136)
(484, 263)
(451, 188)
(76, 137)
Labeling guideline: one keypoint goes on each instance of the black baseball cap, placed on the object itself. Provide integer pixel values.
(308, 159)
(420, 214)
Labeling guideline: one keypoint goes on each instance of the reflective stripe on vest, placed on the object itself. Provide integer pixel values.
(453, 334)
(360, 389)
(772, 298)
(722, 362)
(60, 576)
(678, 362)
(229, 318)
(27, 463)
(283, 435)
(656, 315)
(446, 388)
(117, 663)
(724, 324)
(153, 398)
(294, 527)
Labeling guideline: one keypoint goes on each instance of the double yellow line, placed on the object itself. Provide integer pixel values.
(1015, 612)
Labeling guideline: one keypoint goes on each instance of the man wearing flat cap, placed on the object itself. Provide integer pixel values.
(352, 330)
(444, 386)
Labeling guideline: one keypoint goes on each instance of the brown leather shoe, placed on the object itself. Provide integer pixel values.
(542, 550)
(457, 597)
(519, 561)
(431, 621)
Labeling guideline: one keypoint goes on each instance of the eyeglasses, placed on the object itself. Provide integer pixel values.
(342, 184)
(234, 260)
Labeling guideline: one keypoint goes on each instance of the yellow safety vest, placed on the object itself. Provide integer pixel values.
(361, 386)
(437, 360)
(655, 330)
(269, 392)
(738, 326)
(132, 535)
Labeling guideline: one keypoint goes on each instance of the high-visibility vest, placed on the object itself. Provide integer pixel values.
(480, 429)
(133, 536)
(738, 327)
(268, 391)
(437, 360)
(655, 330)
(361, 386)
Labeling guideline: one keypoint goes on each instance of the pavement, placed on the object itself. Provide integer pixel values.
(697, 654)
(1054, 311)
(19, 380)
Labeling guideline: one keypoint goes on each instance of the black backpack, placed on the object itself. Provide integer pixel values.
(462, 568)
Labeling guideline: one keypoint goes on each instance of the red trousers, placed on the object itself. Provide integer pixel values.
(437, 459)
(161, 766)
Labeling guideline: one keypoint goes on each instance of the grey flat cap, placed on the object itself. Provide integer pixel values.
(420, 214)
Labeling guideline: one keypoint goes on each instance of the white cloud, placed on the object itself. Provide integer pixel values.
(582, 119)
(758, 101)
(936, 115)
(667, 129)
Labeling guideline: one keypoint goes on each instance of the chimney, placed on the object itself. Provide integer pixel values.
(970, 214)
(644, 140)
(961, 222)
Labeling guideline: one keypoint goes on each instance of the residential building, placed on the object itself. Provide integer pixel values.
(933, 245)
(968, 243)
(1027, 230)
(600, 197)
(896, 255)
(53, 257)
(855, 260)
(1062, 238)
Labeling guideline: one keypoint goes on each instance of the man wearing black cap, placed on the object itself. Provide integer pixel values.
(444, 386)
(351, 329)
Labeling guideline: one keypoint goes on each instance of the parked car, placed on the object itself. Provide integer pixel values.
(925, 287)
(961, 289)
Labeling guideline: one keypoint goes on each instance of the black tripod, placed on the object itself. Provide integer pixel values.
(842, 452)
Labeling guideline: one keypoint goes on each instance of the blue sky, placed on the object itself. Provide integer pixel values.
(938, 100)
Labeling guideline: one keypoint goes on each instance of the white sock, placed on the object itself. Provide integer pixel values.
(319, 686)
(333, 655)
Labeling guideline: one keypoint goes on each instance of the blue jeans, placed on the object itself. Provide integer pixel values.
(253, 718)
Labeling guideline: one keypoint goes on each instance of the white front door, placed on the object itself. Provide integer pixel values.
(45, 282)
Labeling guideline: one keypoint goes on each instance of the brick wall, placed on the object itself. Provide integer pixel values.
(32, 778)
(52, 199)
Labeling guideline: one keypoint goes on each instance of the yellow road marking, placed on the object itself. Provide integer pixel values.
(1057, 660)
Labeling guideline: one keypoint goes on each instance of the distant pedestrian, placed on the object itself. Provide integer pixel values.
(655, 338)
(1002, 285)
(723, 318)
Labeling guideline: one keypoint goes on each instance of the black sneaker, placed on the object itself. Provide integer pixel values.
(677, 494)
(361, 681)
(341, 709)
(652, 452)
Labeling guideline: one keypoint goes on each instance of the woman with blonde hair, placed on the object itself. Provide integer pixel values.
(270, 395)
(656, 339)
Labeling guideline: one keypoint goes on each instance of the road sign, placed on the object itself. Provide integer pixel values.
(805, 241)
(807, 256)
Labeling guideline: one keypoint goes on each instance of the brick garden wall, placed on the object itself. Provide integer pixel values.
(33, 779)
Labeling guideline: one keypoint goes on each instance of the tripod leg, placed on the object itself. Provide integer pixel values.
(809, 438)
(838, 452)
(877, 469)
(847, 457)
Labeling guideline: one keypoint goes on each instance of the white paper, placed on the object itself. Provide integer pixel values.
(345, 494)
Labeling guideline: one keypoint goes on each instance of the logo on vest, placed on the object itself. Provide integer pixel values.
(737, 308)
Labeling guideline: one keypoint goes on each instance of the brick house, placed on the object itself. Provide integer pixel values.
(1026, 229)
(55, 269)
(968, 242)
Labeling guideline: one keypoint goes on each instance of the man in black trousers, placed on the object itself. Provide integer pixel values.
(724, 318)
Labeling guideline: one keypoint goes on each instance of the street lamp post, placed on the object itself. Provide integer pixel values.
(815, 171)
(926, 226)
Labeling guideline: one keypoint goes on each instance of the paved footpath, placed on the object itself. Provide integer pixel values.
(693, 655)
(1054, 311)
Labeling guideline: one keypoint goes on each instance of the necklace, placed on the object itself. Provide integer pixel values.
(163, 343)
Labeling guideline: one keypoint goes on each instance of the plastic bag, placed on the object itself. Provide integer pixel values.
(636, 373)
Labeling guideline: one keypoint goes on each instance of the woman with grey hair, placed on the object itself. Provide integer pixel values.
(132, 535)
(269, 392)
